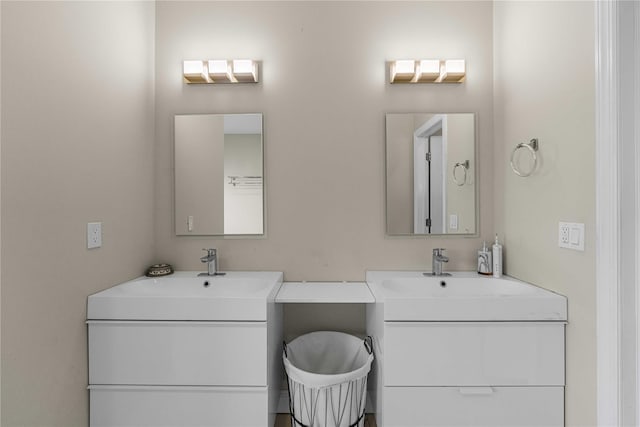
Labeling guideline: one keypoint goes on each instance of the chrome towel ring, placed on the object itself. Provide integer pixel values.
(532, 147)
(465, 167)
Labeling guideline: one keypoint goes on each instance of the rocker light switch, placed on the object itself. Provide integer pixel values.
(574, 236)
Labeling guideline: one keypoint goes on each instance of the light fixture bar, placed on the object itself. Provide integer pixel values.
(245, 70)
(402, 70)
(215, 71)
(427, 71)
(194, 72)
(454, 70)
(220, 71)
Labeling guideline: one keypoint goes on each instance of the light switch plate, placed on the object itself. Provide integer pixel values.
(453, 221)
(571, 235)
(94, 235)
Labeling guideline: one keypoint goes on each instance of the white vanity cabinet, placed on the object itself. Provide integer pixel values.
(489, 371)
(172, 371)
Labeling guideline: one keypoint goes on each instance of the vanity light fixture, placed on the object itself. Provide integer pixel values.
(427, 71)
(245, 70)
(402, 70)
(194, 71)
(454, 70)
(220, 71)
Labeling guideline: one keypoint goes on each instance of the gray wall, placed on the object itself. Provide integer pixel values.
(547, 91)
(324, 96)
(87, 93)
(77, 146)
(198, 165)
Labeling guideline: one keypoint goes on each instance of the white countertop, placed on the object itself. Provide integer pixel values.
(325, 292)
(462, 296)
(184, 296)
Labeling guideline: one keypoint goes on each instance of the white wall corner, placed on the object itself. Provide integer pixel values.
(637, 163)
(0, 202)
(607, 215)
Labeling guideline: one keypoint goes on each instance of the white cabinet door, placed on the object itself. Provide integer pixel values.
(178, 353)
(473, 354)
(122, 406)
(474, 406)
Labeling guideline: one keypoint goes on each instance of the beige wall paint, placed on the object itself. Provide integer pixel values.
(0, 213)
(544, 88)
(399, 173)
(460, 198)
(324, 96)
(77, 146)
(199, 165)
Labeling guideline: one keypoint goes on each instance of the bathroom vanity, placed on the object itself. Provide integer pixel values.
(460, 350)
(185, 351)
(466, 351)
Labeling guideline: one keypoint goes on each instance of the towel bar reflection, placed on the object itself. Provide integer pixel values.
(245, 181)
(532, 147)
(465, 167)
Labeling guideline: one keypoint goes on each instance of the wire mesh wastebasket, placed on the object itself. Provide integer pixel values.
(327, 379)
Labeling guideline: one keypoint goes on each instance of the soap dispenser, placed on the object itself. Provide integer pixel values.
(497, 258)
(484, 260)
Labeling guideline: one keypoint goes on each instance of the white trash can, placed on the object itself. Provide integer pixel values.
(327, 379)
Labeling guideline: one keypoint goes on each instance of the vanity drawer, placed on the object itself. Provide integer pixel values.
(178, 353)
(121, 406)
(470, 354)
(474, 406)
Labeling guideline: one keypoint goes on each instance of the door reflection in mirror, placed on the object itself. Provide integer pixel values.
(423, 194)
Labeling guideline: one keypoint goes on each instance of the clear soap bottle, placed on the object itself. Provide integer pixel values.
(485, 264)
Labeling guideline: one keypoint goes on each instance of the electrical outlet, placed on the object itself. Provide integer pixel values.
(563, 236)
(94, 235)
(571, 235)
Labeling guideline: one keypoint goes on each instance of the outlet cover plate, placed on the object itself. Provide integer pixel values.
(94, 235)
(571, 235)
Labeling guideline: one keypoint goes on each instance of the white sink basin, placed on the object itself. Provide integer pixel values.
(185, 296)
(411, 296)
(457, 287)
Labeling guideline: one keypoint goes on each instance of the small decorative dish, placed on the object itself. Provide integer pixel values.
(158, 270)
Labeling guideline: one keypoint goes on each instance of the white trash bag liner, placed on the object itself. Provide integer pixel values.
(327, 379)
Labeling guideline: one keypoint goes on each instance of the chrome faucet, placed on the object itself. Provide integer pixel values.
(438, 259)
(211, 259)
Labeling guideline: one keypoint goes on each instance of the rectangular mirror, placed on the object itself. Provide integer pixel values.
(431, 174)
(219, 174)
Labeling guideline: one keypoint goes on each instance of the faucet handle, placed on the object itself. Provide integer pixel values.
(210, 251)
(438, 251)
